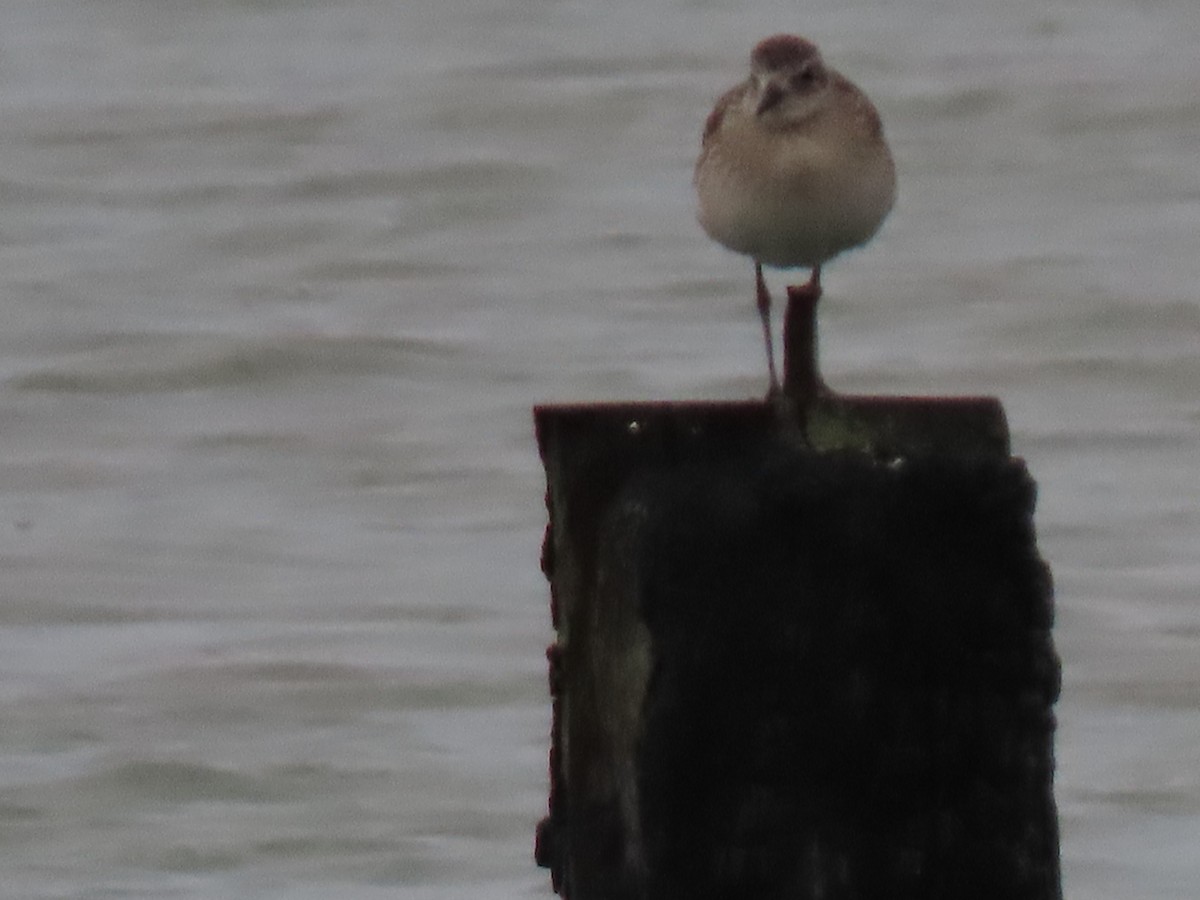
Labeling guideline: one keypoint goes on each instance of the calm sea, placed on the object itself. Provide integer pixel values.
(282, 279)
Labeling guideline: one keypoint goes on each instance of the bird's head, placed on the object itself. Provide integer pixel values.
(789, 80)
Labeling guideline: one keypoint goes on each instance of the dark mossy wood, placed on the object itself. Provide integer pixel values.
(803, 651)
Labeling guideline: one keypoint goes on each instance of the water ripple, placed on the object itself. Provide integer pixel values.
(150, 364)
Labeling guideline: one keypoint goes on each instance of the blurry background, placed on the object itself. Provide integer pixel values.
(281, 281)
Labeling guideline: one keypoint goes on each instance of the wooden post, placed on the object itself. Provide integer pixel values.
(803, 651)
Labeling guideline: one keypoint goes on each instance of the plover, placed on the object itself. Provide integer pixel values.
(793, 167)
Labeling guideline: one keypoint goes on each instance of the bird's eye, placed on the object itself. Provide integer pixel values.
(804, 79)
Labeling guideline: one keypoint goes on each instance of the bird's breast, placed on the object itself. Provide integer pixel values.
(794, 198)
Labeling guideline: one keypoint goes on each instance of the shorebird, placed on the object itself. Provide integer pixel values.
(793, 168)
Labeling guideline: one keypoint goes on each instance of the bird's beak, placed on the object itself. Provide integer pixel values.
(770, 98)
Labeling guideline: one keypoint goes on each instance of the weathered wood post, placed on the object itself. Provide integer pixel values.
(803, 649)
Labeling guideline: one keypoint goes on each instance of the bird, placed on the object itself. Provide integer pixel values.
(793, 168)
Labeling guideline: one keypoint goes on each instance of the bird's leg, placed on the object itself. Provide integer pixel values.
(811, 288)
(764, 313)
(801, 378)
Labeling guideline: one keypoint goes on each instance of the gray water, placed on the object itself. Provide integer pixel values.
(281, 281)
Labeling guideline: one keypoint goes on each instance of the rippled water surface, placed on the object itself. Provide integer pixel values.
(281, 281)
